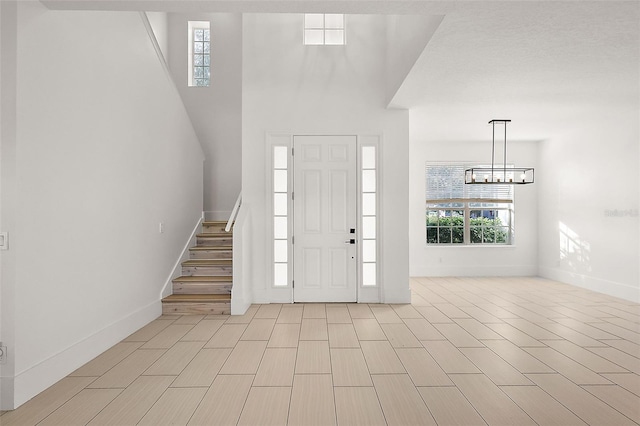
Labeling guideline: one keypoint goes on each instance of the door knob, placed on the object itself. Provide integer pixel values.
(351, 241)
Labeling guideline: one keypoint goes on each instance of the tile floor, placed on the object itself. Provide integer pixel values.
(467, 351)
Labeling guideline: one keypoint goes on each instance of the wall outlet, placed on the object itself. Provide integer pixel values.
(3, 353)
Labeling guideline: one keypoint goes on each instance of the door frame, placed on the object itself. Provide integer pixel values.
(285, 293)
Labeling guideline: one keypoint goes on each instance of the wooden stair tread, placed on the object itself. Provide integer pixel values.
(208, 294)
(207, 262)
(205, 298)
(203, 278)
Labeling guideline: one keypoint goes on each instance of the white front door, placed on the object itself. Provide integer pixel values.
(324, 268)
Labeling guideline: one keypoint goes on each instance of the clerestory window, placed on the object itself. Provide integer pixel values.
(199, 54)
(324, 29)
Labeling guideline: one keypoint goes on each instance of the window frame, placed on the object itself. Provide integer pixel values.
(451, 195)
(193, 26)
(323, 29)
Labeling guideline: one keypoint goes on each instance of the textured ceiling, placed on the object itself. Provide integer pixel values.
(542, 64)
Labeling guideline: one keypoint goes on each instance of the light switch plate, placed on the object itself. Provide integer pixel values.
(4, 241)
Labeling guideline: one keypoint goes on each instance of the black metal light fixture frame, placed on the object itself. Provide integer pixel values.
(500, 175)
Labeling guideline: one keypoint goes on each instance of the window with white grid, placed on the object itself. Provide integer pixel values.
(280, 188)
(324, 29)
(459, 214)
(199, 54)
(369, 218)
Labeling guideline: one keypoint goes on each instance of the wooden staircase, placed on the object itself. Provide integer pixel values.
(205, 284)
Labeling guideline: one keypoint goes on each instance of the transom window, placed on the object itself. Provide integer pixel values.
(324, 29)
(199, 54)
(466, 214)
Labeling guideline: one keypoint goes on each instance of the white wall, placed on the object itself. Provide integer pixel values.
(587, 173)
(105, 151)
(291, 89)
(407, 36)
(160, 23)
(8, 46)
(519, 259)
(215, 111)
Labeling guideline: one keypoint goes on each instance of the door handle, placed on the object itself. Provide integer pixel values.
(351, 241)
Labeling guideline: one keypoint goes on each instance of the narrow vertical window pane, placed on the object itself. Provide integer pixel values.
(280, 227)
(280, 275)
(280, 181)
(369, 204)
(280, 251)
(280, 204)
(199, 60)
(369, 274)
(369, 250)
(368, 181)
(280, 155)
(369, 227)
(368, 157)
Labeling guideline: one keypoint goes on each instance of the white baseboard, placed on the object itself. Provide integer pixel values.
(611, 288)
(475, 271)
(35, 379)
(239, 306)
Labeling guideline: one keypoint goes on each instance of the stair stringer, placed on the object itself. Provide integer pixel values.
(167, 289)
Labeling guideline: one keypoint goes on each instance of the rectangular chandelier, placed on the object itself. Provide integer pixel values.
(499, 174)
(510, 175)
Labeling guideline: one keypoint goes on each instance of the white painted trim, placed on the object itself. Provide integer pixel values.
(241, 291)
(611, 288)
(184, 255)
(39, 377)
(234, 213)
(154, 42)
(475, 271)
